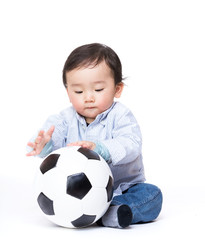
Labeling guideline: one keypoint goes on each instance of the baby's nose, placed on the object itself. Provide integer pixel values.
(89, 98)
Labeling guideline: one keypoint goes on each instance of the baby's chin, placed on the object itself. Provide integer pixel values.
(90, 119)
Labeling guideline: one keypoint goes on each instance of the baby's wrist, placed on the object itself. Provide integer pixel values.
(101, 149)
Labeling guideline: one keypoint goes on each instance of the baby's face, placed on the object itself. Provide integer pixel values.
(92, 90)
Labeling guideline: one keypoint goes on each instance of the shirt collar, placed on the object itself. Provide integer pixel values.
(100, 117)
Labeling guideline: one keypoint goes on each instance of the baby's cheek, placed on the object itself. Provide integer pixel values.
(78, 106)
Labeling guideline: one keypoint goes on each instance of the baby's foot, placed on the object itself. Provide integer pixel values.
(117, 216)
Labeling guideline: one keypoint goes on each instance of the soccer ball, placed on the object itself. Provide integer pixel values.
(74, 187)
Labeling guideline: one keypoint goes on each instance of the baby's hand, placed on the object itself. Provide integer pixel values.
(42, 139)
(84, 144)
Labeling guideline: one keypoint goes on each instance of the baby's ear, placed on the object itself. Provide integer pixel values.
(118, 89)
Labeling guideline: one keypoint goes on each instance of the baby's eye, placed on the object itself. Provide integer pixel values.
(78, 92)
(99, 90)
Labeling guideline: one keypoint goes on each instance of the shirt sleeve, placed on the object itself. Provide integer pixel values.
(126, 143)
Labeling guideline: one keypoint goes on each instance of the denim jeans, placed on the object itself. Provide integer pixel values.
(145, 201)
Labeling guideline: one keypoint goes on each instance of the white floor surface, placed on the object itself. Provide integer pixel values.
(182, 216)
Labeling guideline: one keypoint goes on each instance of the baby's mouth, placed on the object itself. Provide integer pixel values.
(90, 107)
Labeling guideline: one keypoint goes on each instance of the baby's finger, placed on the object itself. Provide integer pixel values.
(73, 143)
(51, 130)
(30, 154)
(41, 133)
(38, 139)
(31, 144)
(84, 145)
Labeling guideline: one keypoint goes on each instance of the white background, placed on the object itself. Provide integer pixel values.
(162, 50)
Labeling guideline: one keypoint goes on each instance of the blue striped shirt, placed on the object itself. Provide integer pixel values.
(116, 129)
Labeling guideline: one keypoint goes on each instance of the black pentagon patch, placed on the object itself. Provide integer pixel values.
(46, 204)
(49, 163)
(83, 221)
(78, 185)
(89, 154)
(109, 189)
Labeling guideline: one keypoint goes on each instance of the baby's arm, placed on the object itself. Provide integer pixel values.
(39, 143)
(125, 145)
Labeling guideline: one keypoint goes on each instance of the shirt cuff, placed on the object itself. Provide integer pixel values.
(102, 151)
(46, 150)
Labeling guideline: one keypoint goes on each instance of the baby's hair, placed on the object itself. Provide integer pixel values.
(92, 55)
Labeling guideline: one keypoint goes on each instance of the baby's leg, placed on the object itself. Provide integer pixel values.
(140, 203)
(145, 201)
